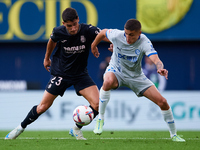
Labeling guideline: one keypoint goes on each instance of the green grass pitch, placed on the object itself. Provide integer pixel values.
(109, 140)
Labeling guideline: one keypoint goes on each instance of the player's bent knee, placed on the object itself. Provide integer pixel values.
(108, 84)
(163, 104)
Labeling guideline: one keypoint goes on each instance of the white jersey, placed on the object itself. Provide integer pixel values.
(126, 58)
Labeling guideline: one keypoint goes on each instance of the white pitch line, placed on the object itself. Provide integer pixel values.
(67, 138)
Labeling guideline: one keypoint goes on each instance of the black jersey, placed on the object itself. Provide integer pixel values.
(70, 58)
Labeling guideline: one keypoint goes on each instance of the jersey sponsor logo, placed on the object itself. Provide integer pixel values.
(74, 49)
(129, 58)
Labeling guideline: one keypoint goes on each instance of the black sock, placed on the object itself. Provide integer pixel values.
(95, 114)
(79, 126)
(94, 111)
(31, 117)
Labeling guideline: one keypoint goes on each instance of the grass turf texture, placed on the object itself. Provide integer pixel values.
(138, 140)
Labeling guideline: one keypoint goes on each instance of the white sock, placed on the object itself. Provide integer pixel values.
(168, 117)
(20, 127)
(103, 101)
(76, 128)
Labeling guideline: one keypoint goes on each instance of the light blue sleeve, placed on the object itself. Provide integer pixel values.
(111, 34)
(148, 47)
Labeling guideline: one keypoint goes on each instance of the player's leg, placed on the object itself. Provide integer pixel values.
(34, 113)
(110, 82)
(91, 94)
(154, 95)
(46, 102)
(85, 86)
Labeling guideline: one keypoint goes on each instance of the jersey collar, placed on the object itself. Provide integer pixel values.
(76, 33)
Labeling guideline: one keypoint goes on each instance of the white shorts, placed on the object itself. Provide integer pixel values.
(138, 84)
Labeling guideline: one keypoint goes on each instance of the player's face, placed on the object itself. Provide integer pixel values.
(72, 26)
(132, 35)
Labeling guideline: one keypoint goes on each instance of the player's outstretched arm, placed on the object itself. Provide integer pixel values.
(159, 65)
(97, 40)
(47, 61)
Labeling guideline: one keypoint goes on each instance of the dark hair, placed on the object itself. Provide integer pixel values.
(69, 14)
(132, 24)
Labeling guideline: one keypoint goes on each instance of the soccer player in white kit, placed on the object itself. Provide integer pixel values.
(129, 47)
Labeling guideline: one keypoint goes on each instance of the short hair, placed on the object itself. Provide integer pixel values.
(69, 14)
(132, 24)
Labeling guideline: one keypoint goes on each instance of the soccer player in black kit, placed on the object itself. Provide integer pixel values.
(68, 67)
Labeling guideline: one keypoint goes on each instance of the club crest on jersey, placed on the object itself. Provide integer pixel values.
(83, 39)
(137, 51)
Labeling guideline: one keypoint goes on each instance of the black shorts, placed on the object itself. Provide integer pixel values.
(58, 85)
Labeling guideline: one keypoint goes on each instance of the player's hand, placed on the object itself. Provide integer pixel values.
(47, 64)
(163, 72)
(111, 48)
(95, 51)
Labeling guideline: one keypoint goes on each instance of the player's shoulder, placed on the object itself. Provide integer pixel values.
(145, 43)
(144, 38)
(85, 26)
(115, 32)
(60, 29)
(89, 29)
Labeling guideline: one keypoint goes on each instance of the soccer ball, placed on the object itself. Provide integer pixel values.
(83, 115)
